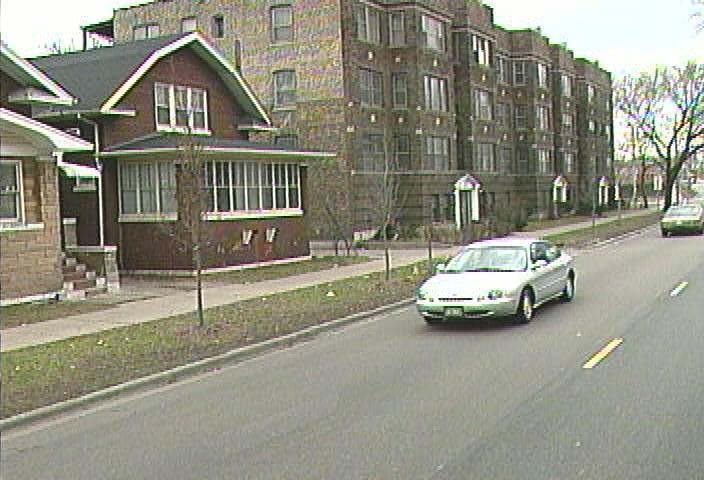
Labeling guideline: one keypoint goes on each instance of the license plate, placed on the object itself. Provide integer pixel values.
(454, 312)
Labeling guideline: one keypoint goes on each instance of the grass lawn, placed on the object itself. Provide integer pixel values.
(24, 314)
(46, 374)
(603, 231)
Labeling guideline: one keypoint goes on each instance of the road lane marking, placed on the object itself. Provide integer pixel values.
(679, 288)
(603, 353)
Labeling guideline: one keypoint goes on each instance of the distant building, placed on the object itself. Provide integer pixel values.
(431, 87)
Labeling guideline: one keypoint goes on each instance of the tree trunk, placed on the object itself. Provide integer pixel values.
(199, 285)
(641, 184)
(430, 249)
(387, 259)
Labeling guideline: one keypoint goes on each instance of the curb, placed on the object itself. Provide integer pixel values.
(177, 373)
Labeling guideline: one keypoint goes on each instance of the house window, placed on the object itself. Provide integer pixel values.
(147, 188)
(433, 33)
(449, 206)
(566, 85)
(435, 93)
(435, 208)
(481, 49)
(591, 93)
(236, 186)
(437, 150)
(218, 26)
(506, 160)
(567, 123)
(281, 24)
(569, 163)
(140, 32)
(485, 161)
(482, 105)
(522, 161)
(284, 88)
(368, 24)
(372, 153)
(180, 108)
(503, 115)
(11, 199)
(544, 161)
(542, 117)
(288, 141)
(522, 116)
(370, 88)
(189, 24)
(502, 69)
(399, 88)
(519, 72)
(397, 29)
(402, 151)
(542, 75)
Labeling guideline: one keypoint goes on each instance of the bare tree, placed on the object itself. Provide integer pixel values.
(188, 231)
(665, 108)
(384, 197)
(698, 14)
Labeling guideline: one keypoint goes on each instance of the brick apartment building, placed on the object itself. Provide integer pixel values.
(451, 100)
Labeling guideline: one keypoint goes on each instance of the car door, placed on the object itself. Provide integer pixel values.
(541, 270)
(557, 272)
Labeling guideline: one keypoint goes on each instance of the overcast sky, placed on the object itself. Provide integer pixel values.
(625, 36)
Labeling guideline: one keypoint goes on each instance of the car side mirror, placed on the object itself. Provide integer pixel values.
(538, 264)
(440, 267)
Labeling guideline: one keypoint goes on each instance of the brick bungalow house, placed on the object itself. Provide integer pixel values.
(30, 156)
(140, 104)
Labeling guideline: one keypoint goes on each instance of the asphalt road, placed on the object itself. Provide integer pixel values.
(391, 398)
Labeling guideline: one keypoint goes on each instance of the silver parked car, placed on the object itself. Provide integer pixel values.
(502, 277)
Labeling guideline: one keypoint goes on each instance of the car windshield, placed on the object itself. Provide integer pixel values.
(689, 211)
(489, 259)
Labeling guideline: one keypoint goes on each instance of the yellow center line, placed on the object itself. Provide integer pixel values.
(679, 289)
(603, 353)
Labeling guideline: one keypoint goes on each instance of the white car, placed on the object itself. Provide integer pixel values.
(501, 277)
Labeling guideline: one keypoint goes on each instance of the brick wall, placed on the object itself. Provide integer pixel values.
(30, 260)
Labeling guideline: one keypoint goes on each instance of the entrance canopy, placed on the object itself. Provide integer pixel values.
(467, 183)
(73, 170)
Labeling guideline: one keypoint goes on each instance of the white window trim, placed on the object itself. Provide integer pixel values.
(392, 40)
(154, 166)
(441, 99)
(172, 127)
(543, 75)
(435, 29)
(274, 26)
(285, 106)
(20, 218)
(189, 24)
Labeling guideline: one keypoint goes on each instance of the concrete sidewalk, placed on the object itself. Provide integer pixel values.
(140, 302)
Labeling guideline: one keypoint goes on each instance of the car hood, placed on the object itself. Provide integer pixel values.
(473, 283)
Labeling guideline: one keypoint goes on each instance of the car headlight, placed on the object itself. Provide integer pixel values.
(423, 294)
(496, 294)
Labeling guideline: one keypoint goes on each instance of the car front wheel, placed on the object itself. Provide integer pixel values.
(525, 307)
(568, 292)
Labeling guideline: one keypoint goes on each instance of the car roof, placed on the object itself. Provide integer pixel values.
(522, 242)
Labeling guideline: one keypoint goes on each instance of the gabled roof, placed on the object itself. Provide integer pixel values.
(100, 78)
(38, 86)
(58, 141)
